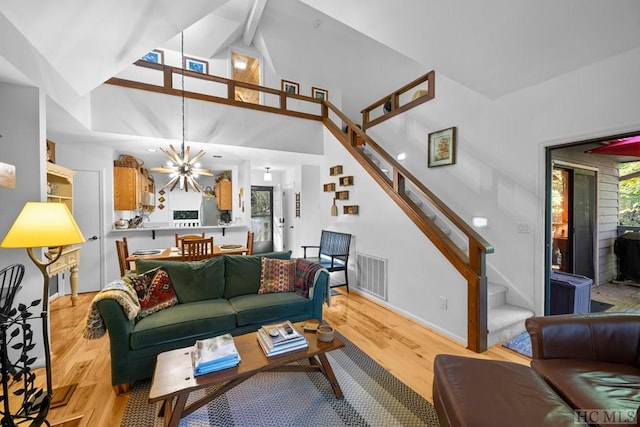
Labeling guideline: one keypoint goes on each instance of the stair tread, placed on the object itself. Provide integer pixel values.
(495, 288)
(505, 315)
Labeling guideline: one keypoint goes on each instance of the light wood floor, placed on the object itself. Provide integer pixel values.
(400, 345)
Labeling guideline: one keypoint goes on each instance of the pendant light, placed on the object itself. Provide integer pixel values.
(181, 170)
(267, 175)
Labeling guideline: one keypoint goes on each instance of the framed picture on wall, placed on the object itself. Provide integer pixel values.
(290, 87)
(441, 148)
(196, 65)
(321, 94)
(156, 56)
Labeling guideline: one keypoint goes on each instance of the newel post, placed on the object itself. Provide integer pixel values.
(477, 300)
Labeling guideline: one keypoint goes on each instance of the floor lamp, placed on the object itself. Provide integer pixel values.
(44, 225)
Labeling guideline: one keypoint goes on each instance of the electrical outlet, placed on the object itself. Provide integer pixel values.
(523, 227)
(443, 303)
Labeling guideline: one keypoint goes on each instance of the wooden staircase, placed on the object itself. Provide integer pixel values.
(463, 247)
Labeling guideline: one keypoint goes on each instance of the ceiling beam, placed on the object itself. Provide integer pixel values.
(253, 21)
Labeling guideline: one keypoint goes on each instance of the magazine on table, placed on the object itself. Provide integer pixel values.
(214, 354)
(280, 338)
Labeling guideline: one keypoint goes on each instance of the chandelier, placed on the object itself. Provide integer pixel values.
(182, 170)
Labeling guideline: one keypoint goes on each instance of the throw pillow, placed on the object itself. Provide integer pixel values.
(277, 275)
(155, 291)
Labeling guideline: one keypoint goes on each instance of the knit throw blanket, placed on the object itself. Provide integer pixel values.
(306, 276)
(123, 294)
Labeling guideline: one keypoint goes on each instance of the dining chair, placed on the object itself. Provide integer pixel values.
(10, 279)
(249, 243)
(179, 239)
(197, 249)
(123, 253)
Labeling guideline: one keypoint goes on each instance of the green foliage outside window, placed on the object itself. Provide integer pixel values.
(629, 195)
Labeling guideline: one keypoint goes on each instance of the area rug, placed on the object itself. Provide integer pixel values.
(373, 397)
(521, 343)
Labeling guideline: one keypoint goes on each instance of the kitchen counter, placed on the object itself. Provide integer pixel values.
(163, 229)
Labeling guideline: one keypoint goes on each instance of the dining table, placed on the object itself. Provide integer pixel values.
(175, 254)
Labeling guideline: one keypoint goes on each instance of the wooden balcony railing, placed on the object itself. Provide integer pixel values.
(275, 101)
(471, 265)
(423, 89)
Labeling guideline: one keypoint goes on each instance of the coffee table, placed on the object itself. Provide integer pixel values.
(173, 377)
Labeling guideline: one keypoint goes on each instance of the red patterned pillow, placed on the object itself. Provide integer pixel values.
(277, 275)
(155, 291)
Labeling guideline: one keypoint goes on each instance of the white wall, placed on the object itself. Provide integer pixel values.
(22, 112)
(499, 172)
(418, 274)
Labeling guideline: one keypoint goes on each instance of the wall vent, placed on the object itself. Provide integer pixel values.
(372, 275)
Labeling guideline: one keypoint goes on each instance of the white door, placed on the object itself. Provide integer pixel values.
(289, 210)
(87, 210)
(278, 218)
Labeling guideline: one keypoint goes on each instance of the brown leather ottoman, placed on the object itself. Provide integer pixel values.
(478, 392)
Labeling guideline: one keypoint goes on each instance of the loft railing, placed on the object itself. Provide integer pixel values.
(399, 184)
(221, 90)
(471, 264)
(408, 96)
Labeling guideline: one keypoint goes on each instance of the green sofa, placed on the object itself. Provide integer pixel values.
(216, 296)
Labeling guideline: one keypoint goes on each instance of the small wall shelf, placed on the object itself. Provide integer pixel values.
(351, 209)
(346, 180)
(335, 170)
(329, 187)
(342, 195)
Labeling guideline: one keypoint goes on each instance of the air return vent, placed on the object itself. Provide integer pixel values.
(372, 275)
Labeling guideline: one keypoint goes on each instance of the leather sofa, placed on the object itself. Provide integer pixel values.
(216, 296)
(585, 371)
(592, 361)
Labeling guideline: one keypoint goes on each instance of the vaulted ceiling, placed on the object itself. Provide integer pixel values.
(367, 48)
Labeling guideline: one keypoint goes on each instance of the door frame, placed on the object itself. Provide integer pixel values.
(550, 164)
(271, 190)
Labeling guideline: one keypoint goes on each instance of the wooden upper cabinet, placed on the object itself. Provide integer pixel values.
(223, 195)
(126, 189)
(132, 189)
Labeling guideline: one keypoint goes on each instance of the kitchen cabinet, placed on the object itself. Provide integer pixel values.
(223, 195)
(133, 189)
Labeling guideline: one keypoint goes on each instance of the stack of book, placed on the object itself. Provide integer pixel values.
(214, 354)
(281, 338)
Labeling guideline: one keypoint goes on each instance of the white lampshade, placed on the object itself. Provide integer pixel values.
(267, 175)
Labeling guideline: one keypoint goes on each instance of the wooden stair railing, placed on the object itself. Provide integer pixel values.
(472, 266)
(394, 102)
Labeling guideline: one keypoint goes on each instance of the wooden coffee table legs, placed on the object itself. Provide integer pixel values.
(173, 413)
(327, 371)
(317, 363)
